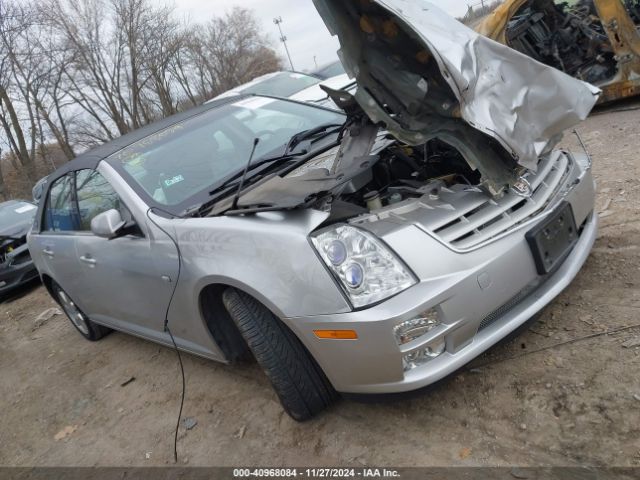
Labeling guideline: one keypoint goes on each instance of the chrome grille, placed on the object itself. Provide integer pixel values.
(474, 217)
(465, 217)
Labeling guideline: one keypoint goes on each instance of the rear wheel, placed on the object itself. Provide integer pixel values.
(298, 380)
(89, 330)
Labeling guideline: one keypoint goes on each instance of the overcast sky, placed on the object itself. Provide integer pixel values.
(305, 30)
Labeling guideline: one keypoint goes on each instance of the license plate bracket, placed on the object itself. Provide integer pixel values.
(553, 239)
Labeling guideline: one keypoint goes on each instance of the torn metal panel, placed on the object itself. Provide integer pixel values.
(422, 74)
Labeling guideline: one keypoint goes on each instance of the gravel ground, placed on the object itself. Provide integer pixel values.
(66, 401)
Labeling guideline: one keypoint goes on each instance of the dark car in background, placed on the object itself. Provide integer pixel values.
(16, 266)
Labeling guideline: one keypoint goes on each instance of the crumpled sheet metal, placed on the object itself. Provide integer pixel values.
(522, 103)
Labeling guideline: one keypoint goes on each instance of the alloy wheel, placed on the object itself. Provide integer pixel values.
(74, 314)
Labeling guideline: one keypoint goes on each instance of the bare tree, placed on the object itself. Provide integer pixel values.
(76, 73)
(4, 194)
(222, 54)
(236, 49)
(20, 130)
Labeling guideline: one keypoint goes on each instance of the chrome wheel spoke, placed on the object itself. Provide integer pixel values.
(75, 315)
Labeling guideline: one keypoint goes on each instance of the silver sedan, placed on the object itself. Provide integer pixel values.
(342, 257)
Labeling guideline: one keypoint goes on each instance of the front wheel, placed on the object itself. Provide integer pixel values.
(298, 380)
(89, 330)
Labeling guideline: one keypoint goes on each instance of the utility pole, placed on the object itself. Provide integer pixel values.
(283, 39)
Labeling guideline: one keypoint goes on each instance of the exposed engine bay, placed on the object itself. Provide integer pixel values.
(568, 36)
(368, 171)
(403, 172)
(431, 185)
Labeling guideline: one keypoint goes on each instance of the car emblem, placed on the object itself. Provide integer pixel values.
(522, 188)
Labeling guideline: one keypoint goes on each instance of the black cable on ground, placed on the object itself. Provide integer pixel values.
(175, 438)
(166, 328)
(552, 346)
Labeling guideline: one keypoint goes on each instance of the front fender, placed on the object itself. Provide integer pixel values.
(267, 255)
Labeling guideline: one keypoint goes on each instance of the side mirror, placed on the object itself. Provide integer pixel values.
(107, 224)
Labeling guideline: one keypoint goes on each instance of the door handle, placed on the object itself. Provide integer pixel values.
(48, 252)
(88, 260)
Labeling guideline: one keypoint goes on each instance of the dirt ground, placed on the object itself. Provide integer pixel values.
(63, 401)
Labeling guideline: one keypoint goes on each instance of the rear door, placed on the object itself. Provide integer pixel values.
(127, 281)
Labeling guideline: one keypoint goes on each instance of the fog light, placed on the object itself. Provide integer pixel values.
(421, 356)
(416, 327)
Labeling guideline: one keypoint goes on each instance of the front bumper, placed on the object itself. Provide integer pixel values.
(481, 296)
(17, 270)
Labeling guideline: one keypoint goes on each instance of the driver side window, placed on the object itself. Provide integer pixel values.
(95, 196)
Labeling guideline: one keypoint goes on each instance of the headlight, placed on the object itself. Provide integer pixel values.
(366, 269)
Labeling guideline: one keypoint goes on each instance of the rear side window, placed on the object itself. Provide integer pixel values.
(60, 214)
(95, 196)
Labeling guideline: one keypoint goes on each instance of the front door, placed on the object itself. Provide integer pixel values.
(127, 282)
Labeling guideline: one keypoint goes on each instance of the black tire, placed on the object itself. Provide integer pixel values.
(89, 330)
(302, 387)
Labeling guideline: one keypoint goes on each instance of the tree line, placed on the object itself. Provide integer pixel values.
(77, 73)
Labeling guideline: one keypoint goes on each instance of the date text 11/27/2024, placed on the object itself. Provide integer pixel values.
(315, 473)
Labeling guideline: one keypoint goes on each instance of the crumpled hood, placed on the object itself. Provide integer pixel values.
(423, 74)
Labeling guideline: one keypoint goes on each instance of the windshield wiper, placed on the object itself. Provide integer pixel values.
(233, 183)
(244, 174)
(325, 129)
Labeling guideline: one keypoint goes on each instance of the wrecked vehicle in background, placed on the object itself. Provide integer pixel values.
(597, 41)
(16, 266)
(372, 251)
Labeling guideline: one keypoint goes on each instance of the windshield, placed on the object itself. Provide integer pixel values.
(191, 157)
(15, 213)
(282, 84)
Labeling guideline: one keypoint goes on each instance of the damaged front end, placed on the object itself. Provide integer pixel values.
(16, 266)
(438, 109)
(422, 75)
